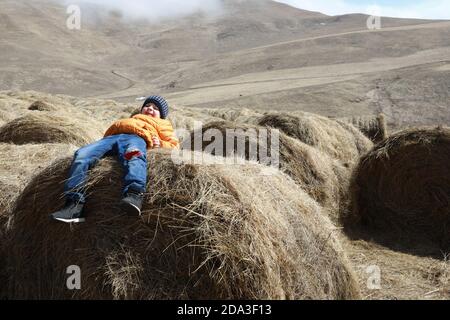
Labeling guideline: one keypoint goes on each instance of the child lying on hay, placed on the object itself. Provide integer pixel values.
(128, 139)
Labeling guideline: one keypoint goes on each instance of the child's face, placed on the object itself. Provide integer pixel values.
(150, 109)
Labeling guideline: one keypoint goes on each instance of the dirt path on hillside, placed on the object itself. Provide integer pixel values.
(288, 79)
(276, 80)
(402, 28)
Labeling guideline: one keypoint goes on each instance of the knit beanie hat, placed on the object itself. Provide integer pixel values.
(162, 105)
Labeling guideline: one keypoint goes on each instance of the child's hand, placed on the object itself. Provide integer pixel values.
(156, 142)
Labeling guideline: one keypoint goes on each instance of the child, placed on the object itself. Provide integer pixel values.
(129, 139)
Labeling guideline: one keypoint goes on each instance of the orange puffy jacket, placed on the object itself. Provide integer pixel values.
(146, 127)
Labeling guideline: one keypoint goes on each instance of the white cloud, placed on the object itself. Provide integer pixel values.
(153, 9)
(420, 9)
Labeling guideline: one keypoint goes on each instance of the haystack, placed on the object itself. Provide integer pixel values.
(4, 117)
(402, 187)
(41, 106)
(186, 121)
(48, 128)
(323, 178)
(373, 127)
(19, 163)
(242, 115)
(20, 103)
(323, 133)
(207, 231)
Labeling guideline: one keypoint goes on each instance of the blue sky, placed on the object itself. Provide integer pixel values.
(422, 9)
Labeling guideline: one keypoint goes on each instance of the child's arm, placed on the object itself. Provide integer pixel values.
(172, 142)
(167, 137)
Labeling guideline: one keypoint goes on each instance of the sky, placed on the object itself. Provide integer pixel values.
(420, 9)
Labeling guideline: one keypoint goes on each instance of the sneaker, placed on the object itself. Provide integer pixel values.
(72, 212)
(132, 203)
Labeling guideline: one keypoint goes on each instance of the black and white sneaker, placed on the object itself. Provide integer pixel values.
(132, 203)
(72, 212)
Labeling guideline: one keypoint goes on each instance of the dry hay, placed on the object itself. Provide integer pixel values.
(19, 102)
(18, 164)
(403, 275)
(186, 119)
(5, 116)
(373, 127)
(3, 272)
(104, 111)
(242, 115)
(48, 128)
(401, 188)
(327, 135)
(322, 177)
(207, 231)
(41, 106)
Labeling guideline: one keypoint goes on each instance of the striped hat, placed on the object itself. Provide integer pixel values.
(162, 105)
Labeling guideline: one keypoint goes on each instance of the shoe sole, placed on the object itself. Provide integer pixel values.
(130, 209)
(76, 220)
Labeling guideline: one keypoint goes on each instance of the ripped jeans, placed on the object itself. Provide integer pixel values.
(132, 152)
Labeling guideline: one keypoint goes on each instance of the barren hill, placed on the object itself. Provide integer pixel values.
(258, 54)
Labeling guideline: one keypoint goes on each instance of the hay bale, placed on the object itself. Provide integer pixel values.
(207, 231)
(5, 117)
(185, 118)
(41, 106)
(47, 128)
(323, 178)
(19, 103)
(362, 143)
(18, 164)
(242, 115)
(402, 187)
(373, 127)
(323, 133)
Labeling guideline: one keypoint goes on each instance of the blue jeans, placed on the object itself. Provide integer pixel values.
(132, 152)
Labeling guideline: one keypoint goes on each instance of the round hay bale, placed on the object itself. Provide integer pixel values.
(3, 226)
(373, 127)
(8, 193)
(3, 273)
(402, 188)
(323, 178)
(185, 120)
(5, 116)
(362, 143)
(46, 128)
(243, 115)
(41, 106)
(323, 133)
(18, 164)
(207, 232)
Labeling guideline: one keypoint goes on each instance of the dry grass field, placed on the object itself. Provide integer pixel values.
(358, 208)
